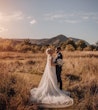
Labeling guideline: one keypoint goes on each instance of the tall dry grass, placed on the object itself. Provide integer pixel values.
(22, 71)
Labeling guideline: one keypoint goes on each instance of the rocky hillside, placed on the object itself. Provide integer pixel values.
(54, 40)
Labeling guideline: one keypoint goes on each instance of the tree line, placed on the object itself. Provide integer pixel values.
(26, 45)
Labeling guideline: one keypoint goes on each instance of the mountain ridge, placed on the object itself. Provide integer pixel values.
(50, 41)
(54, 40)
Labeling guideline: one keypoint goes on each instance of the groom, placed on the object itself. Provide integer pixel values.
(58, 67)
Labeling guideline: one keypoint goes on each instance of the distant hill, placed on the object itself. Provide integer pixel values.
(47, 41)
(54, 40)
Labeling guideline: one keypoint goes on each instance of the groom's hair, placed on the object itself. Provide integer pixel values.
(58, 48)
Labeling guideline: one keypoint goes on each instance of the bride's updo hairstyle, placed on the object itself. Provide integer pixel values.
(48, 51)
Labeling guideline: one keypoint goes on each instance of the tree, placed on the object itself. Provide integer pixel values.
(67, 42)
(71, 41)
(23, 48)
(8, 45)
(27, 42)
(90, 48)
(81, 44)
(97, 43)
(69, 47)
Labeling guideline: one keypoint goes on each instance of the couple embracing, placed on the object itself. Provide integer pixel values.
(48, 92)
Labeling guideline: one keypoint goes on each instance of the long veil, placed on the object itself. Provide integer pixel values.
(48, 91)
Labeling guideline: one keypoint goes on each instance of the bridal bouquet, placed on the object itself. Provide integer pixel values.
(60, 62)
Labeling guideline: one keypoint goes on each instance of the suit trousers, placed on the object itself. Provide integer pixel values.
(58, 74)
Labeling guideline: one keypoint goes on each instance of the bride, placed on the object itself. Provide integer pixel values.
(48, 92)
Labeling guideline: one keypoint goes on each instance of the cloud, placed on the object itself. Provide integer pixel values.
(62, 17)
(75, 17)
(85, 17)
(33, 21)
(2, 29)
(54, 16)
(15, 16)
(7, 18)
(72, 21)
(29, 17)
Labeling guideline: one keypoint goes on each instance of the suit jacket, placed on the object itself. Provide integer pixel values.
(59, 56)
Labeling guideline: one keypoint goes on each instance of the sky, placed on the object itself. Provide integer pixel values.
(39, 19)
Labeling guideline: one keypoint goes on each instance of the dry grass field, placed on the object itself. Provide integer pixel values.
(19, 72)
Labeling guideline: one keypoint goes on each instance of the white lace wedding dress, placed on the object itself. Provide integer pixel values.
(48, 92)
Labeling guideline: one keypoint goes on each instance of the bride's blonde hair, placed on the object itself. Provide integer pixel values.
(48, 50)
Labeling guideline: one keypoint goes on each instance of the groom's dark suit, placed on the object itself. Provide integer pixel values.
(59, 69)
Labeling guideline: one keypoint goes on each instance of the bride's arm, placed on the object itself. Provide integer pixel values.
(52, 63)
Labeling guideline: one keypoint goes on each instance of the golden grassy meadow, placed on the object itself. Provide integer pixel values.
(19, 72)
